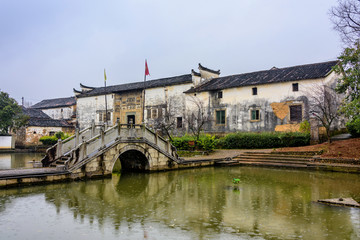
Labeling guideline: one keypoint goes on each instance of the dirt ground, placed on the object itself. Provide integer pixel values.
(349, 148)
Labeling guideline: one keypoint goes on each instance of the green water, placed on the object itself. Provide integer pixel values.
(187, 204)
(19, 160)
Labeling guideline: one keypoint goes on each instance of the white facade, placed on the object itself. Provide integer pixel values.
(92, 108)
(239, 103)
(60, 113)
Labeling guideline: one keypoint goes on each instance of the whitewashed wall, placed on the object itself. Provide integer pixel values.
(59, 113)
(87, 109)
(238, 101)
(7, 142)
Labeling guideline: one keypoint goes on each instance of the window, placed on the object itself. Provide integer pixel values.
(255, 115)
(220, 94)
(131, 99)
(100, 117)
(51, 133)
(220, 117)
(154, 113)
(254, 91)
(179, 122)
(296, 113)
(295, 87)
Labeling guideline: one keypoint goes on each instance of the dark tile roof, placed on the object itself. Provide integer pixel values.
(42, 122)
(187, 78)
(40, 119)
(274, 75)
(55, 103)
(35, 113)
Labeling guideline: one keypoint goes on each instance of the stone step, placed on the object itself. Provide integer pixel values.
(282, 158)
(273, 164)
(276, 155)
(273, 161)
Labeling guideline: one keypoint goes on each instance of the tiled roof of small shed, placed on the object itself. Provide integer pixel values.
(274, 75)
(139, 85)
(55, 103)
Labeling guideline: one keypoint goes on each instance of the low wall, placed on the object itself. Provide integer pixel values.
(7, 142)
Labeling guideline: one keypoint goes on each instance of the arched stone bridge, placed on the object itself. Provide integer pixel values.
(98, 152)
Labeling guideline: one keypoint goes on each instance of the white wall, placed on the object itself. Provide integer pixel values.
(59, 113)
(87, 109)
(7, 142)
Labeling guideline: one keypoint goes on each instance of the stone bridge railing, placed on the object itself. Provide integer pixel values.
(90, 141)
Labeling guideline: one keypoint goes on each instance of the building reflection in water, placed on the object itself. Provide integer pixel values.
(268, 203)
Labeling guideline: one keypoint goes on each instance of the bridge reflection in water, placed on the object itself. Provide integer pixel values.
(200, 204)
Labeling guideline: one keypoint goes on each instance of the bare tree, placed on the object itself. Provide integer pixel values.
(324, 105)
(346, 20)
(196, 117)
(166, 123)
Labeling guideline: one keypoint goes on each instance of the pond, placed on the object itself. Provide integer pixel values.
(19, 160)
(199, 203)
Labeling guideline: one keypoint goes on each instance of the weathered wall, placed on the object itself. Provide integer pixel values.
(90, 108)
(166, 100)
(33, 134)
(238, 103)
(128, 103)
(60, 113)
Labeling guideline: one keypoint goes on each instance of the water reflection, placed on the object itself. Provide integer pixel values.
(270, 203)
(205, 204)
(18, 160)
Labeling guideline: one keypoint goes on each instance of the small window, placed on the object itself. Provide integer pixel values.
(154, 113)
(254, 91)
(100, 117)
(179, 122)
(34, 132)
(295, 87)
(255, 115)
(220, 94)
(220, 117)
(51, 133)
(296, 113)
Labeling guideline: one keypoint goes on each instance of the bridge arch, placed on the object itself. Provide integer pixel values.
(132, 158)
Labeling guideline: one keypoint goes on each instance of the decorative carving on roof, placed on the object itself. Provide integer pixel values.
(201, 67)
(86, 88)
(77, 92)
(195, 73)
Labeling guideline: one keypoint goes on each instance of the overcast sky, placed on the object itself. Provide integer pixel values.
(48, 47)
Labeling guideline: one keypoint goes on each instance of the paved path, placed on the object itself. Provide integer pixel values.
(15, 173)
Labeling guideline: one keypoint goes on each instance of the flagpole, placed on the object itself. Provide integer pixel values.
(106, 120)
(143, 115)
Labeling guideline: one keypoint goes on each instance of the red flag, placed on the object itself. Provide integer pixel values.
(147, 73)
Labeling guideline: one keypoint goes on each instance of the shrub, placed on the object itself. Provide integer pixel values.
(305, 127)
(52, 140)
(205, 142)
(354, 127)
(264, 140)
(48, 140)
